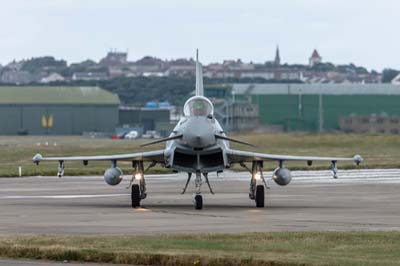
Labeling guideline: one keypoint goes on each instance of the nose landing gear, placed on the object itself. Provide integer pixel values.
(198, 197)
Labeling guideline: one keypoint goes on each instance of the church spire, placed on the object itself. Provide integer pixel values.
(277, 60)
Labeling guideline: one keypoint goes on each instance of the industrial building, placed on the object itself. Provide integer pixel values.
(313, 107)
(41, 110)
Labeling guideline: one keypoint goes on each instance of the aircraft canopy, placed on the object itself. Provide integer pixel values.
(198, 106)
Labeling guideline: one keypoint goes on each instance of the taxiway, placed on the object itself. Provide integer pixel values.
(358, 200)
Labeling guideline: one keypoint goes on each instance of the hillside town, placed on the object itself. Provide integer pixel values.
(115, 64)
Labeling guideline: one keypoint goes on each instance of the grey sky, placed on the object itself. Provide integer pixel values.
(361, 31)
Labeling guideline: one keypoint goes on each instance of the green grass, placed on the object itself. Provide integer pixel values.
(302, 248)
(379, 151)
(18, 151)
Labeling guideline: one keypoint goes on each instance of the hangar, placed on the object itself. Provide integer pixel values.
(41, 110)
(146, 119)
(313, 107)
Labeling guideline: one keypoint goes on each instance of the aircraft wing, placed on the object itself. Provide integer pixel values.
(152, 156)
(237, 156)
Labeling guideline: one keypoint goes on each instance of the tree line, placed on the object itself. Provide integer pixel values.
(139, 90)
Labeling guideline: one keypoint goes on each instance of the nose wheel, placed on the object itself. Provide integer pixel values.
(198, 201)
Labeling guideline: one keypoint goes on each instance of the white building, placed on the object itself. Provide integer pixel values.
(53, 77)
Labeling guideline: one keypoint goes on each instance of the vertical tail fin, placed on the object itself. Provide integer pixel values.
(199, 76)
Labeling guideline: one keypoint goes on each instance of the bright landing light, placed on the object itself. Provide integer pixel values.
(138, 176)
(257, 176)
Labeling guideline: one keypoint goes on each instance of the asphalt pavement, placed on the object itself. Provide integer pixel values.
(358, 200)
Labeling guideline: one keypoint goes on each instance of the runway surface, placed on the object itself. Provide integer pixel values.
(358, 200)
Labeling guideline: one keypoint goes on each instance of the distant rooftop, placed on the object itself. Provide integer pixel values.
(56, 95)
(325, 89)
(315, 54)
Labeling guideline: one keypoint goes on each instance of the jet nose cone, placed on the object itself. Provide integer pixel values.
(199, 133)
(201, 141)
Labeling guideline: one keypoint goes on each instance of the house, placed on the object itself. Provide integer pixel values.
(114, 58)
(90, 76)
(150, 64)
(53, 77)
(16, 77)
(181, 67)
(396, 80)
(265, 74)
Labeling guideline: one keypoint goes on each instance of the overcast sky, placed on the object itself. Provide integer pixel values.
(365, 32)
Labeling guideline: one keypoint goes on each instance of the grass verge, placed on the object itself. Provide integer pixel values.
(302, 248)
(379, 151)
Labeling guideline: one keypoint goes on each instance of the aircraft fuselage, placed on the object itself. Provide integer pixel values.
(198, 150)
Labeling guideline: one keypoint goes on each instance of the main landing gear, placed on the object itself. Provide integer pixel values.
(257, 191)
(259, 198)
(138, 183)
(198, 197)
(135, 195)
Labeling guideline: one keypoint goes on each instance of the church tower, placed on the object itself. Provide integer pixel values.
(314, 59)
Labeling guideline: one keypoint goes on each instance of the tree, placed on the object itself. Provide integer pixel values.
(34, 65)
(389, 74)
(139, 90)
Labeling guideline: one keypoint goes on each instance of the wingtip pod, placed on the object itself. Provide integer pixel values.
(37, 158)
(358, 159)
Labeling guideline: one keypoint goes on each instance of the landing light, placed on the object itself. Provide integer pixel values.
(138, 176)
(257, 176)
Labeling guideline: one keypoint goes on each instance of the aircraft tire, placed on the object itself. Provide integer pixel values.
(260, 195)
(135, 196)
(198, 202)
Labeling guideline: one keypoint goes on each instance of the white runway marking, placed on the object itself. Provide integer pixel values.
(325, 176)
(62, 196)
(320, 176)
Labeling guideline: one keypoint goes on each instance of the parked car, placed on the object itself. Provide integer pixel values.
(131, 135)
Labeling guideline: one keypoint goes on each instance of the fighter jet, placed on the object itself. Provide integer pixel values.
(198, 145)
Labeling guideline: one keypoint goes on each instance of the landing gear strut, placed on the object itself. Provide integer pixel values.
(187, 183)
(197, 196)
(208, 183)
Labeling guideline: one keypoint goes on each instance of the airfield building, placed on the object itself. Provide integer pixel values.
(319, 107)
(145, 119)
(41, 110)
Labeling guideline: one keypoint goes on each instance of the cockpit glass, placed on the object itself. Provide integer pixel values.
(198, 107)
